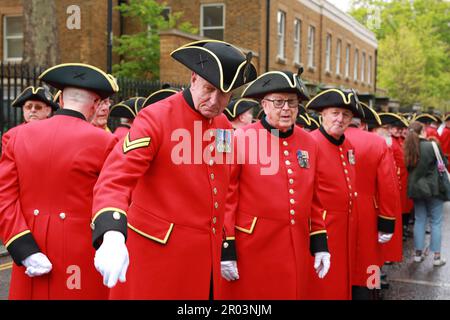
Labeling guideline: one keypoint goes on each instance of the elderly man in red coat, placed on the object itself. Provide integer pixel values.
(376, 204)
(336, 191)
(393, 251)
(47, 175)
(37, 104)
(277, 217)
(163, 189)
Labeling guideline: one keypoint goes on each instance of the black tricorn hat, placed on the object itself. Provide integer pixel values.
(370, 115)
(338, 99)
(128, 108)
(239, 106)
(159, 95)
(276, 81)
(425, 118)
(35, 93)
(392, 119)
(220, 63)
(445, 117)
(82, 76)
(307, 122)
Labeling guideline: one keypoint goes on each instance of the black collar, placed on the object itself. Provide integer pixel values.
(336, 142)
(70, 113)
(188, 97)
(275, 131)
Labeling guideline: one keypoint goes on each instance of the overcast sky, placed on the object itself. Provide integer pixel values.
(341, 4)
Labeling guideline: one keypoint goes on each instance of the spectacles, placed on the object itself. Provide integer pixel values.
(279, 103)
(30, 106)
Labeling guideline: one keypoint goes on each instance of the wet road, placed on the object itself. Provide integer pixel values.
(408, 280)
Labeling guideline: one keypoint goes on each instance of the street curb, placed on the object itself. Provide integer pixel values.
(3, 251)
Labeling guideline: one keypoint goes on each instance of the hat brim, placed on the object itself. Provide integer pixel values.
(273, 82)
(81, 76)
(31, 93)
(207, 64)
(158, 96)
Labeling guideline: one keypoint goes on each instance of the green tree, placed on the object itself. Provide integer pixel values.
(423, 22)
(140, 51)
(402, 66)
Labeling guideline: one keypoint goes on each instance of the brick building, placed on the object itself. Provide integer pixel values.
(332, 47)
(85, 44)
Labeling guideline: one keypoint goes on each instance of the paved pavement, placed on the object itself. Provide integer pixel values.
(3, 251)
(408, 280)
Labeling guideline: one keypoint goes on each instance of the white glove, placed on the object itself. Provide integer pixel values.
(112, 259)
(322, 263)
(384, 237)
(229, 270)
(37, 264)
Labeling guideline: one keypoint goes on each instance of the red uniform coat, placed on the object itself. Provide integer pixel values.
(337, 193)
(393, 250)
(7, 135)
(445, 143)
(432, 132)
(274, 215)
(376, 202)
(169, 184)
(47, 175)
(121, 131)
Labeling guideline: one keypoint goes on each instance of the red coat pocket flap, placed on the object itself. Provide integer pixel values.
(148, 225)
(245, 223)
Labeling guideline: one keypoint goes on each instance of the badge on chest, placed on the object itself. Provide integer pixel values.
(303, 158)
(351, 157)
(223, 140)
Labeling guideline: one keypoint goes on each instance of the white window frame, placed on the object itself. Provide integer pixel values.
(363, 67)
(328, 53)
(355, 65)
(347, 61)
(202, 27)
(297, 41)
(369, 70)
(338, 56)
(281, 33)
(311, 43)
(6, 38)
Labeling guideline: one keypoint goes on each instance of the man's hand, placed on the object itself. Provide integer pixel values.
(384, 237)
(229, 270)
(37, 264)
(322, 263)
(112, 259)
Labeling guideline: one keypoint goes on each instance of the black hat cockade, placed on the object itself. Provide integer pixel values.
(336, 98)
(277, 81)
(83, 76)
(159, 95)
(35, 93)
(392, 119)
(218, 62)
(239, 106)
(128, 108)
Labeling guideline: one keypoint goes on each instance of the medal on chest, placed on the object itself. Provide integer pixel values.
(303, 158)
(351, 157)
(223, 140)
